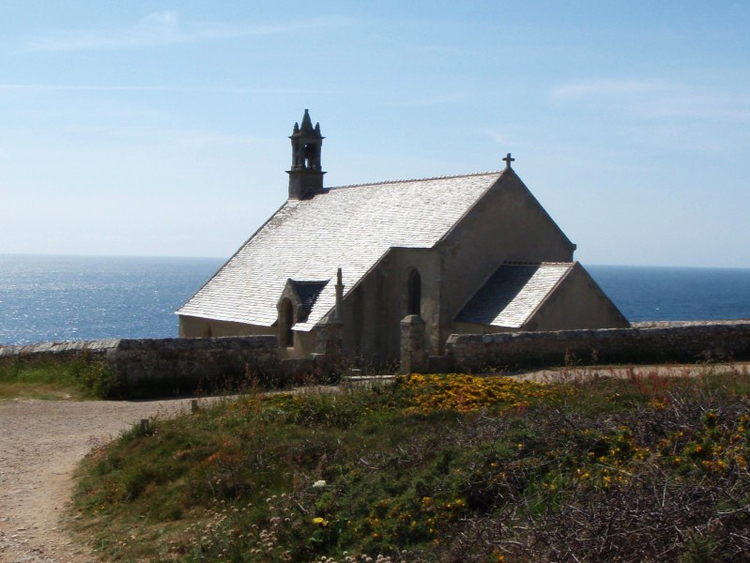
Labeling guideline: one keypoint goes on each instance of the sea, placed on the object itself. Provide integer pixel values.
(59, 298)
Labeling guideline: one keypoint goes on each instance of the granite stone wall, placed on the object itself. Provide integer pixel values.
(146, 367)
(195, 359)
(91, 348)
(178, 365)
(645, 343)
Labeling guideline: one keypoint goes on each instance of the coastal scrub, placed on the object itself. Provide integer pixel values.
(435, 468)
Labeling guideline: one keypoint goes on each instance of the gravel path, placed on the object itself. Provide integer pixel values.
(41, 442)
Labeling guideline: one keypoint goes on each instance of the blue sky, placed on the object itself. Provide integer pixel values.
(158, 128)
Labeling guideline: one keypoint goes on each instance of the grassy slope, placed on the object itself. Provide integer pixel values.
(74, 378)
(437, 469)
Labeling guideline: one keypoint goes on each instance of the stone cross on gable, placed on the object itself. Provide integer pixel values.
(508, 159)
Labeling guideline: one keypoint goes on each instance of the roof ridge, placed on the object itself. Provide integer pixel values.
(537, 263)
(405, 180)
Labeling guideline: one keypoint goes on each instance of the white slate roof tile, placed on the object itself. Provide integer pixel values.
(350, 228)
(513, 293)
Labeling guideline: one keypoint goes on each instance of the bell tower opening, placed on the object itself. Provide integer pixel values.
(306, 174)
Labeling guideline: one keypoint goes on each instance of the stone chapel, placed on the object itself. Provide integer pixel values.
(474, 253)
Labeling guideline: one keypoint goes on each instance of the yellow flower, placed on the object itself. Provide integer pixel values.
(318, 521)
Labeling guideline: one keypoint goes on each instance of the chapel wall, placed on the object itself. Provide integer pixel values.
(577, 303)
(427, 263)
(373, 310)
(368, 336)
(507, 224)
(196, 327)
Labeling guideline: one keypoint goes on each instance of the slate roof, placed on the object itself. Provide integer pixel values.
(513, 294)
(349, 227)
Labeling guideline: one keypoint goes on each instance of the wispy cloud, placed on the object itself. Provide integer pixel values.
(499, 137)
(171, 137)
(146, 88)
(437, 100)
(587, 89)
(165, 28)
(655, 98)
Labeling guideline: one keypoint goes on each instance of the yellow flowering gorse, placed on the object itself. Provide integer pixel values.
(466, 393)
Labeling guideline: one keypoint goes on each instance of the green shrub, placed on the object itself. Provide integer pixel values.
(613, 470)
(83, 375)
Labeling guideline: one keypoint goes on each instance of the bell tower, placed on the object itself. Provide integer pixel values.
(306, 175)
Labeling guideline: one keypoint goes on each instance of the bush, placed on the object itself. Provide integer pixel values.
(89, 377)
(438, 468)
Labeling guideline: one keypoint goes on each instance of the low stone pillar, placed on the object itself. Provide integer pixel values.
(329, 346)
(413, 353)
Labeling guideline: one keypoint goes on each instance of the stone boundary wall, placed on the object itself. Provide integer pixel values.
(177, 365)
(683, 342)
(167, 360)
(171, 365)
(60, 349)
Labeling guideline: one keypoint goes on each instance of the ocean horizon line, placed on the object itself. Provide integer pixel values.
(186, 257)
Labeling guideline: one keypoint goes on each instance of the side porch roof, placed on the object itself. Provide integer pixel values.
(511, 296)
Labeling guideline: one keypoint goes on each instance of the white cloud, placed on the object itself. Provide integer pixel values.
(206, 89)
(655, 98)
(498, 137)
(587, 89)
(435, 100)
(165, 28)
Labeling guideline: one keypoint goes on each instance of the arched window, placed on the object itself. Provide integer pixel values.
(415, 294)
(286, 334)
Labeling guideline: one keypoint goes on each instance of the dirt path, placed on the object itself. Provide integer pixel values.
(41, 442)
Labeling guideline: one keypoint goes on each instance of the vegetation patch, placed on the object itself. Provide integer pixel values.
(56, 378)
(435, 468)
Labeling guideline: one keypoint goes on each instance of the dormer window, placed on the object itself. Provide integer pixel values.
(294, 305)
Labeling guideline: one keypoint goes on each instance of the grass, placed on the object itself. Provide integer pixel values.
(69, 378)
(435, 468)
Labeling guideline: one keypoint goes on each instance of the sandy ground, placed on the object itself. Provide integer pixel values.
(41, 443)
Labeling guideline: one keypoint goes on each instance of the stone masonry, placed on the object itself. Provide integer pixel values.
(656, 343)
(413, 350)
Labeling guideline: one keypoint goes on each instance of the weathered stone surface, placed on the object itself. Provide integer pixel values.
(184, 364)
(174, 365)
(660, 343)
(75, 348)
(195, 359)
(413, 350)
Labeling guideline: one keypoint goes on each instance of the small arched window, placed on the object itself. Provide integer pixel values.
(414, 306)
(286, 334)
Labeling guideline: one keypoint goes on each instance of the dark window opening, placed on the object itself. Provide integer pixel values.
(309, 156)
(287, 321)
(415, 294)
